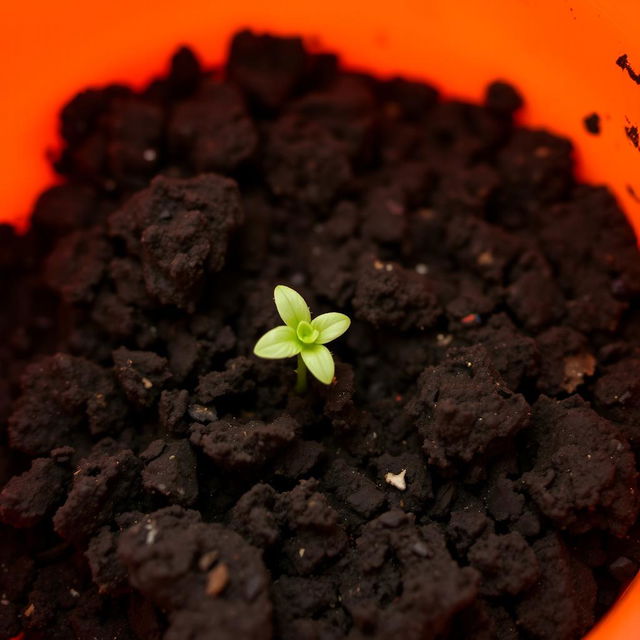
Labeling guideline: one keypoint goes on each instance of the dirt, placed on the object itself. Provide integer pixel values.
(592, 123)
(471, 472)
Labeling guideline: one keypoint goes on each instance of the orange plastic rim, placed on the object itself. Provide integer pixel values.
(562, 54)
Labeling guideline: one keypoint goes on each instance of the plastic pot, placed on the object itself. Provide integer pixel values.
(569, 58)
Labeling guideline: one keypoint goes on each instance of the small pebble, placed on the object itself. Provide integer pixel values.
(422, 269)
(217, 580)
(207, 560)
(444, 339)
(421, 549)
(200, 413)
(152, 532)
(146, 383)
(397, 480)
(623, 569)
(576, 367)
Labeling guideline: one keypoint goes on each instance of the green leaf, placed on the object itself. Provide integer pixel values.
(291, 306)
(330, 326)
(319, 361)
(280, 342)
(306, 333)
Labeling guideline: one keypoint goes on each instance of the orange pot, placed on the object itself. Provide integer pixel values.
(567, 57)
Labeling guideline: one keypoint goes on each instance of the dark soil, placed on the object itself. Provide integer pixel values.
(162, 482)
(592, 123)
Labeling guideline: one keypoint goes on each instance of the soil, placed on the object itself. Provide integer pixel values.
(471, 472)
(592, 123)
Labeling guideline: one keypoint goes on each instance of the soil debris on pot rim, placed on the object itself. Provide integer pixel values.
(470, 473)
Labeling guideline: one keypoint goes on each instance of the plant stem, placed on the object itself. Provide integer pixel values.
(301, 371)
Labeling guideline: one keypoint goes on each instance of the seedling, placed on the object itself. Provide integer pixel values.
(303, 337)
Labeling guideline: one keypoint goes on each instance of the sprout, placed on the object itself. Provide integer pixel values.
(303, 337)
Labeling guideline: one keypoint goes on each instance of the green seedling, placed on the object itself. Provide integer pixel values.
(303, 337)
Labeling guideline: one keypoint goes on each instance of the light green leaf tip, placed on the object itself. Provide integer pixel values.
(330, 326)
(280, 342)
(291, 306)
(319, 361)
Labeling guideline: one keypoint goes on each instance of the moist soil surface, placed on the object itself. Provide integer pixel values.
(469, 474)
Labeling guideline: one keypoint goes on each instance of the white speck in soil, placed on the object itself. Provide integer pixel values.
(397, 480)
(152, 532)
(444, 339)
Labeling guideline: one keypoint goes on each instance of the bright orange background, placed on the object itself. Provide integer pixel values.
(561, 54)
